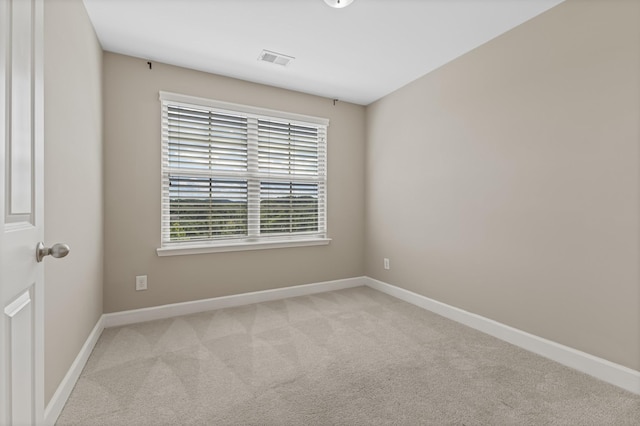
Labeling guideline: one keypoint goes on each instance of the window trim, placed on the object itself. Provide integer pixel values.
(240, 246)
(301, 240)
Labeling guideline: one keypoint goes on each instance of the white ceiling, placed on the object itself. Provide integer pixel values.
(356, 54)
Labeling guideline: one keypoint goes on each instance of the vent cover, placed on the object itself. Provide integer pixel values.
(275, 58)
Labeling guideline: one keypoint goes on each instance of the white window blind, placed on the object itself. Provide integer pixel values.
(238, 174)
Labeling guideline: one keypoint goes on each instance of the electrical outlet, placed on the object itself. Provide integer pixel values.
(141, 282)
(386, 264)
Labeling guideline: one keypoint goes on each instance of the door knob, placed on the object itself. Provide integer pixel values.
(56, 250)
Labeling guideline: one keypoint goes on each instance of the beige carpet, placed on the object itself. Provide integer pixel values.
(349, 357)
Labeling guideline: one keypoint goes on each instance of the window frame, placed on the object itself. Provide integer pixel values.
(250, 242)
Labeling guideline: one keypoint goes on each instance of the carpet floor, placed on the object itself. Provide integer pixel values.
(348, 357)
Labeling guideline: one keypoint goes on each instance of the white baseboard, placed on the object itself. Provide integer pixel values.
(615, 374)
(59, 398)
(167, 311)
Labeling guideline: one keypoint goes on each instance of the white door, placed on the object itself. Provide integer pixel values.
(21, 212)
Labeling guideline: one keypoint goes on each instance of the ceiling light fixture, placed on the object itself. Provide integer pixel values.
(338, 4)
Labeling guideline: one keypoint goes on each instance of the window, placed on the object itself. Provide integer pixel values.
(236, 177)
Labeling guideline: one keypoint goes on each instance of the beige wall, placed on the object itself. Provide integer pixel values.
(73, 188)
(132, 192)
(506, 182)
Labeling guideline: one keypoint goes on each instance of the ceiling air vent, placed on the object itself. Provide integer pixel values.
(275, 58)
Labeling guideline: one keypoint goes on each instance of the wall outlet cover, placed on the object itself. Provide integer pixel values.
(141, 282)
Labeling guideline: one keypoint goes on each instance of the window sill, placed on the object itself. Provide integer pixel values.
(240, 246)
